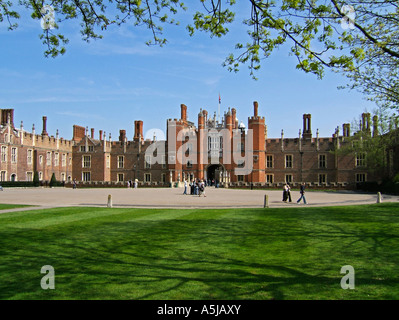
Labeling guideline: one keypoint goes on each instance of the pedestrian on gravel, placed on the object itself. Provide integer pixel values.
(302, 191)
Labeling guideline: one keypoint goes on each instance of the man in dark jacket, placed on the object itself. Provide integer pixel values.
(302, 191)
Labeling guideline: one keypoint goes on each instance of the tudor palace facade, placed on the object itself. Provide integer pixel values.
(98, 160)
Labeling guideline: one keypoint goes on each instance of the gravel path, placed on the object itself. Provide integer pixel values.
(174, 198)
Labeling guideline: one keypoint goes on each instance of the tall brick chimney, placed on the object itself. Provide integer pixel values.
(228, 120)
(101, 135)
(255, 109)
(78, 133)
(92, 133)
(346, 129)
(234, 117)
(122, 135)
(205, 113)
(138, 130)
(44, 132)
(307, 130)
(7, 115)
(183, 109)
(201, 120)
(366, 123)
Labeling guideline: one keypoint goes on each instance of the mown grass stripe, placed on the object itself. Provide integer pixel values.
(293, 253)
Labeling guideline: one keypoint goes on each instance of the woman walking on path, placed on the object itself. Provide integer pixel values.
(288, 193)
(285, 193)
(201, 188)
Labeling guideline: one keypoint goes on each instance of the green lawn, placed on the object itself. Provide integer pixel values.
(12, 206)
(293, 253)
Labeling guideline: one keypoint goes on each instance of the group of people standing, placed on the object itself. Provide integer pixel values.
(197, 187)
(132, 184)
(287, 193)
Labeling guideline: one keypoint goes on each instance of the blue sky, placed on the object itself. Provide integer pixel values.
(110, 83)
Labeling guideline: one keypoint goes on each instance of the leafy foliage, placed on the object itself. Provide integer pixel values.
(374, 142)
(95, 16)
(320, 33)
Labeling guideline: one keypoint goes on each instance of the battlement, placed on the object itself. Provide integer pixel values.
(253, 118)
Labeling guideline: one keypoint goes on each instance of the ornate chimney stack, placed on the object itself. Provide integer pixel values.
(138, 130)
(346, 127)
(234, 118)
(366, 123)
(255, 109)
(307, 131)
(183, 109)
(44, 132)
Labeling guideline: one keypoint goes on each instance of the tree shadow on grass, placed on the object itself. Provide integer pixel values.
(199, 258)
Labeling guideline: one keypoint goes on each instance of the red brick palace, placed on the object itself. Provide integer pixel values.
(212, 150)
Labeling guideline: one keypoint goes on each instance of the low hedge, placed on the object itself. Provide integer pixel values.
(29, 184)
(387, 187)
(11, 184)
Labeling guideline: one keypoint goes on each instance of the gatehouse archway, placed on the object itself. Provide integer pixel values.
(215, 172)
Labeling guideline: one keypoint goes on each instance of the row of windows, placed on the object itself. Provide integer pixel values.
(214, 143)
(289, 162)
(49, 159)
(86, 176)
(4, 154)
(360, 160)
(6, 138)
(29, 176)
(86, 162)
(215, 146)
(89, 148)
(29, 157)
(322, 178)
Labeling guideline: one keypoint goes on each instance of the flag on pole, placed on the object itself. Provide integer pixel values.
(219, 109)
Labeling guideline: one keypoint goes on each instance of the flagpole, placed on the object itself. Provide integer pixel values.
(219, 109)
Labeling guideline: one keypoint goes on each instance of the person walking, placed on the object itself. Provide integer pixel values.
(302, 191)
(289, 193)
(285, 193)
(185, 187)
(201, 188)
(192, 187)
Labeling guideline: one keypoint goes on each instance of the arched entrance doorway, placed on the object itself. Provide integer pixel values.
(13, 177)
(214, 172)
